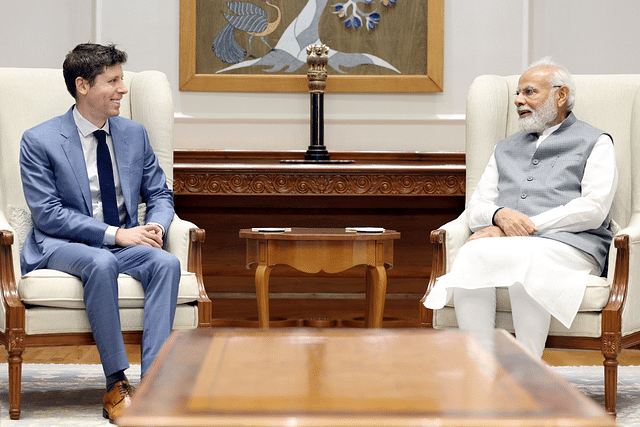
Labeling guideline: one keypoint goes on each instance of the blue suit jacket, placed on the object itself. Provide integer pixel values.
(56, 185)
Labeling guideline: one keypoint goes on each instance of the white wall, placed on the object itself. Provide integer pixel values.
(481, 37)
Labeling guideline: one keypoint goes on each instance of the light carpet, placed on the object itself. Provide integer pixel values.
(59, 395)
(71, 395)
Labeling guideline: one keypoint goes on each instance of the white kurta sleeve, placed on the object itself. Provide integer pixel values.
(482, 204)
(599, 185)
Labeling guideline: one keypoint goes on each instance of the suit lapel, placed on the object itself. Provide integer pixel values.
(121, 148)
(73, 150)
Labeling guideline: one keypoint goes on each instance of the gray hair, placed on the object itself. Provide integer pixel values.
(560, 77)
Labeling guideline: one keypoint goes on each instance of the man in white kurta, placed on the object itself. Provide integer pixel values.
(546, 276)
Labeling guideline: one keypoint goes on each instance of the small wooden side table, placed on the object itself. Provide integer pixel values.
(331, 250)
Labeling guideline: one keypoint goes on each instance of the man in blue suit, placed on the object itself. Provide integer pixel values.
(84, 175)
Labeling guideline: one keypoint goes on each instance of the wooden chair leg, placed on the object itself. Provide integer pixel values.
(15, 383)
(610, 384)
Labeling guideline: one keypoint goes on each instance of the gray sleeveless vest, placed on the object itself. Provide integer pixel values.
(533, 180)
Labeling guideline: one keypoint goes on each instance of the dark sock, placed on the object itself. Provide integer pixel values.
(114, 378)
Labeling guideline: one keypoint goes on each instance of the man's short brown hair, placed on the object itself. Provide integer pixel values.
(88, 60)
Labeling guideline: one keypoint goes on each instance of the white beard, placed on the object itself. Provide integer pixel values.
(541, 118)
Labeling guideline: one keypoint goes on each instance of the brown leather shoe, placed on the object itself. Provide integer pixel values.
(116, 400)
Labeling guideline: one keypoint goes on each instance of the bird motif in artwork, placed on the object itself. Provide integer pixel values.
(290, 52)
(248, 18)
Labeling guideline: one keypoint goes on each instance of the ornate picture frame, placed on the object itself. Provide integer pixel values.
(206, 42)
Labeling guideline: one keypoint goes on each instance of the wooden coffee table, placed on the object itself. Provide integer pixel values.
(353, 377)
(332, 250)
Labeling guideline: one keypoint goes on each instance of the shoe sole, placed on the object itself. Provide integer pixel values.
(105, 414)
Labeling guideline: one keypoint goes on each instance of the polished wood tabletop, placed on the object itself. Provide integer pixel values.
(355, 377)
(330, 250)
(319, 234)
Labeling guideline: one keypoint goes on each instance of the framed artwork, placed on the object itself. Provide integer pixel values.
(260, 45)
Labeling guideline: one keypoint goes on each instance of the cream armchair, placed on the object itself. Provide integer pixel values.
(609, 317)
(45, 307)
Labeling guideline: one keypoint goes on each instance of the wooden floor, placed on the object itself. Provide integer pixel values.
(402, 313)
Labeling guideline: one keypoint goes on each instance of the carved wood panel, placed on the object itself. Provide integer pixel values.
(357, 183)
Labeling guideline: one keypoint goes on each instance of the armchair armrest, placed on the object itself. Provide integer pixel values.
(184, 240)
(624, 300)
(178, 240)
(457, 233)
(11, 308)
(446, 240)
(4, 224)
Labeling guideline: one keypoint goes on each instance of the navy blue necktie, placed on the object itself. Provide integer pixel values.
(105, 177)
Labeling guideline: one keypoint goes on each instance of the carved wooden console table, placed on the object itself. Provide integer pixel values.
(224, 191)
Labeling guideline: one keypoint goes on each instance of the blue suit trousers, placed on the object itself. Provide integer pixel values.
(159, 273)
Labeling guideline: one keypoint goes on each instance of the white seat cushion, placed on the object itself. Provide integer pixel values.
(53, 288)
(595, 296)
(587, 322)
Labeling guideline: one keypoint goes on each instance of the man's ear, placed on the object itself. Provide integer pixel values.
(562, 96)
(82, 85)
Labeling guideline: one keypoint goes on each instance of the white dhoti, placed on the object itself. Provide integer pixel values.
(553, 273)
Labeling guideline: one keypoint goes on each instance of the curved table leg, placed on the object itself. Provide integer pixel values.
(262, 293)
(376, 292)
(368, 293)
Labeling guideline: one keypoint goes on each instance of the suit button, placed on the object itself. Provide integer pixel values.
(523, 196)
(529, 178)
(535, 161)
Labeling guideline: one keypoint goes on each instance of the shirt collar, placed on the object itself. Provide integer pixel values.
(85, 127)
(549, 131)
(568, 121)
